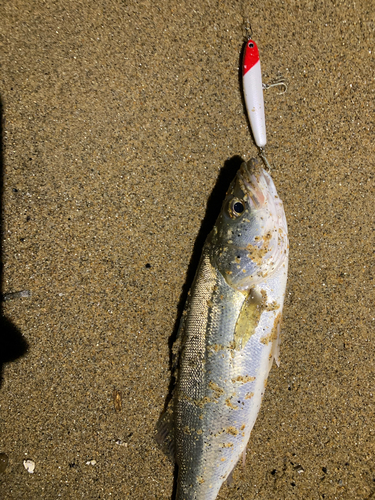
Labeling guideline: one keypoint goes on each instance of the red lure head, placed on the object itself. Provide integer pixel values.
(250, 57)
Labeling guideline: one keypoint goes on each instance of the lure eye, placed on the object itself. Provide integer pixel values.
(236, 208)
(251, 45)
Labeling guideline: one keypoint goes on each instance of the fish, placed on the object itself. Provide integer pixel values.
(229, 334)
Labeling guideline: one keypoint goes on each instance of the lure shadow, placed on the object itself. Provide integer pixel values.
(12, 343)
(215, 201)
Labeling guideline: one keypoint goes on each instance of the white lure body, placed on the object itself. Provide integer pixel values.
(253, 93)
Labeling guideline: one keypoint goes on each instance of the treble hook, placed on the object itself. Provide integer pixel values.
(279, 82)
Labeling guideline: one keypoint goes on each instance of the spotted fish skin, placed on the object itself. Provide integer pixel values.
(229, 333)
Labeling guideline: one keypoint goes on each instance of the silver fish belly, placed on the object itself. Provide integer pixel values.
(229, 333)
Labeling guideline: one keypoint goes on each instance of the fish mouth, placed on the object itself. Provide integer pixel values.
(256, 183)
(261, 195)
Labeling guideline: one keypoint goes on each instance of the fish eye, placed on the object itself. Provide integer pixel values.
(236, 208)
(251, 45)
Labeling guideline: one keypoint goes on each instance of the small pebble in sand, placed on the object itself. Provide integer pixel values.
(91, 462)
(3, 461)
(29, 465)
(119, 442)
(117, 400)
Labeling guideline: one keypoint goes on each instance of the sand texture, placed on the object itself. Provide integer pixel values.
(122, 125)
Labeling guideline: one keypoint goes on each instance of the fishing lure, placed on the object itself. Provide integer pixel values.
(253, 93)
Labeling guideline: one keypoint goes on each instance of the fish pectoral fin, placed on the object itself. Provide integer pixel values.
(276, 346)
(165, 432)
(248, 318)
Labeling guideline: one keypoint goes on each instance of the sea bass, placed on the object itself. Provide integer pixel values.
(229, 334)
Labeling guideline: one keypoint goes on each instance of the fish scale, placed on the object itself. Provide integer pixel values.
(197, 406)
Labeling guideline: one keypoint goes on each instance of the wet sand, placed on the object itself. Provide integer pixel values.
(117, 120)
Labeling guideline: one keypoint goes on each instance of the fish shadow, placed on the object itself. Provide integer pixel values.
(214, 204)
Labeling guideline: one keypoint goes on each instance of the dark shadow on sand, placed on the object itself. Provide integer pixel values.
(12, 343)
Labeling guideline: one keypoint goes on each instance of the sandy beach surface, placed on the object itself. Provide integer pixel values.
(122, 125)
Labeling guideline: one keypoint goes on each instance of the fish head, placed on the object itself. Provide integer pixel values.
(249, 241)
